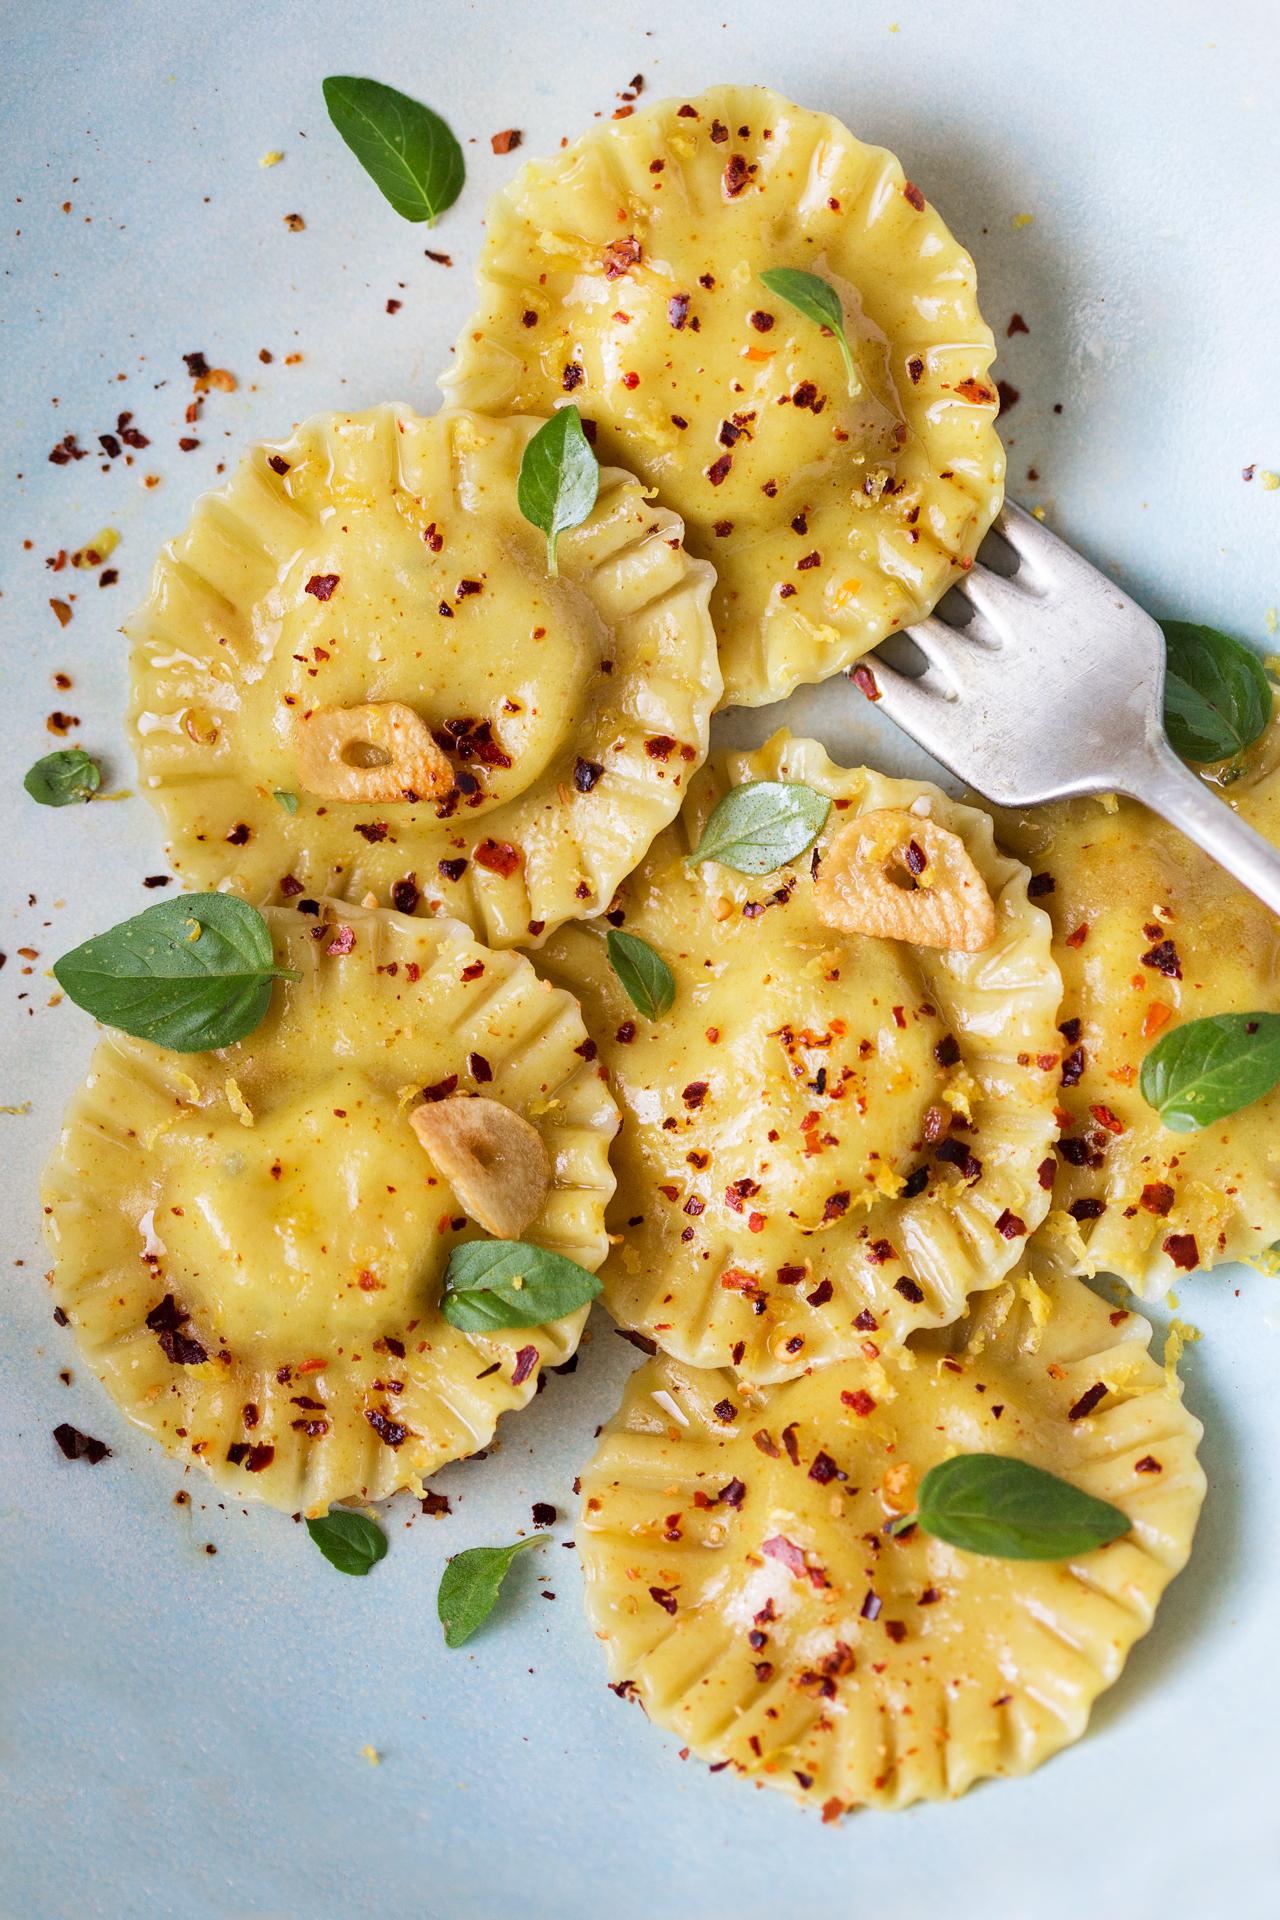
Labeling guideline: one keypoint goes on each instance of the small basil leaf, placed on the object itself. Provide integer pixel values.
(289, 801)
(481, 1294)
(407, 151)
(758, 827)
(1217, 698)
(559, 479)
(192, 973)
(351, 1542)
(1010, 1510)
(60, 779)
(1202, 1071)
(818, 301)
(470, 1585)
(646, 978)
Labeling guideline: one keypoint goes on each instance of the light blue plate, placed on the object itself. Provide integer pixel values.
(181, 1733)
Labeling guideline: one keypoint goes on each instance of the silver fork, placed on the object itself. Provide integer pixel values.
(1052, 687)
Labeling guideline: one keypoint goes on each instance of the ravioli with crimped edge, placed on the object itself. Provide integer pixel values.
(835, 1133)
(250, 1244)
(742, 1579)
(1151, 933)
(355, 672)
(623, 274)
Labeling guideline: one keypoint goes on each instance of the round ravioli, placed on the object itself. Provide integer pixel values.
(355, 672)
(741, 1577)
(623, 275)
(251, 1244)
(830, 1134)
(1150, 933)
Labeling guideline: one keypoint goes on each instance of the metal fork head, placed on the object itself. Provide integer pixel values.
(1052, 685)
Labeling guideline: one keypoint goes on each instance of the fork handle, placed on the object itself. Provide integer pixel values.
(1164, 784)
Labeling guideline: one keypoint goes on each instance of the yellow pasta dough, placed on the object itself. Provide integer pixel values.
(363, 610)
(251, 1244)
(623, 275)
(830, 1134)
(741, 1579)
(1150, 933)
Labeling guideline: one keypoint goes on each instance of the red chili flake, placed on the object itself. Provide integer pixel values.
(1163, 957)
(1087, 1209)
(835, 1206)
(766, 1443)
(370, 830)
(239, 836)
(678, 309)
(626, 1033)
(790, 1276)
(1010, 1225)
(1183, 1251)
(1016, 325)
(442, 1088)
(436, 1504)
(865, 681)
(481, 1071)
(1073, 1067)
(871, 1605)
(1088, 1401)
(718, 471)
(736, 175)
(586, 774)
(526, 1361)
(896, 1630)
(791, 1556)
(908, 1289)
(452, 869)
(1156, 1197)
(860, 1401)
(343, 941)
(252, 1459)
(507, 141)
(277, 463)
(1147, 1464)
(544, 1515)
(1009, 395)
(974, 390)
(1039, 884)
(820, 1295)
(808, 561)
(166, 1321)
(80, 1446)
(913, 196)
(572, 377)
(954, 1153)
(806, 395)
(947, 1051)
(1080, 934)
(693, 1096)
(391, 1433)
(620, 256)
(498, 856)
(824, 1469)
(915, 368)
(322, 585)
(664, 1597)
(725, 1411)
(404, 895)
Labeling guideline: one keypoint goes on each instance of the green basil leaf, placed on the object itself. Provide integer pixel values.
(1010, 1510)
(470, 1585)
(758, 827)
(289, 801)
(192, 973)
(559, 479)
(1202, 1071)
(481, 1294)
(1217, 698)
(646, 978)
(62, 778)
(351, 1542)
(818, 301)
(407, 151)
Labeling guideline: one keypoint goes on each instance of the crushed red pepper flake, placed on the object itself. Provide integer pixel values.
(1183, 1251)
(507, 141)
(80, 1446)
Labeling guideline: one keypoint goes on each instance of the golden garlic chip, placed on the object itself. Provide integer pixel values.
(354, 673)
(897, 877)
(745, 1589)
(623, 275)
(1150, 933)
(492, 1158)
(250, 1245)
(832, 1135)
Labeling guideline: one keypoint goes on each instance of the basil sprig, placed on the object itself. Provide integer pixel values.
(192, 973)
(470, 1585)
(1217, 698)
(559, 479)
(62, 778)
(409, 153)
(758, 827)
(492, 1284)
(349, 1541)
(1010, 1510)
(1202, 1071)
(646, 978)
(818, 301)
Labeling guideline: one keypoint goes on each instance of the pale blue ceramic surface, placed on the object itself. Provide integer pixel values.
(180, 1734)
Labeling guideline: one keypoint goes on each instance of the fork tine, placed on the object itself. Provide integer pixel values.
(949, 651)
(1030, 538)
(908, 701)
(996, 599)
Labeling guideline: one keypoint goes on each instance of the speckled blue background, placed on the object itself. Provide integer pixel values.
(180, 1733)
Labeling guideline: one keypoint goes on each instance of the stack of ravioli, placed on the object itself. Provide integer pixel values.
(843, 1191)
